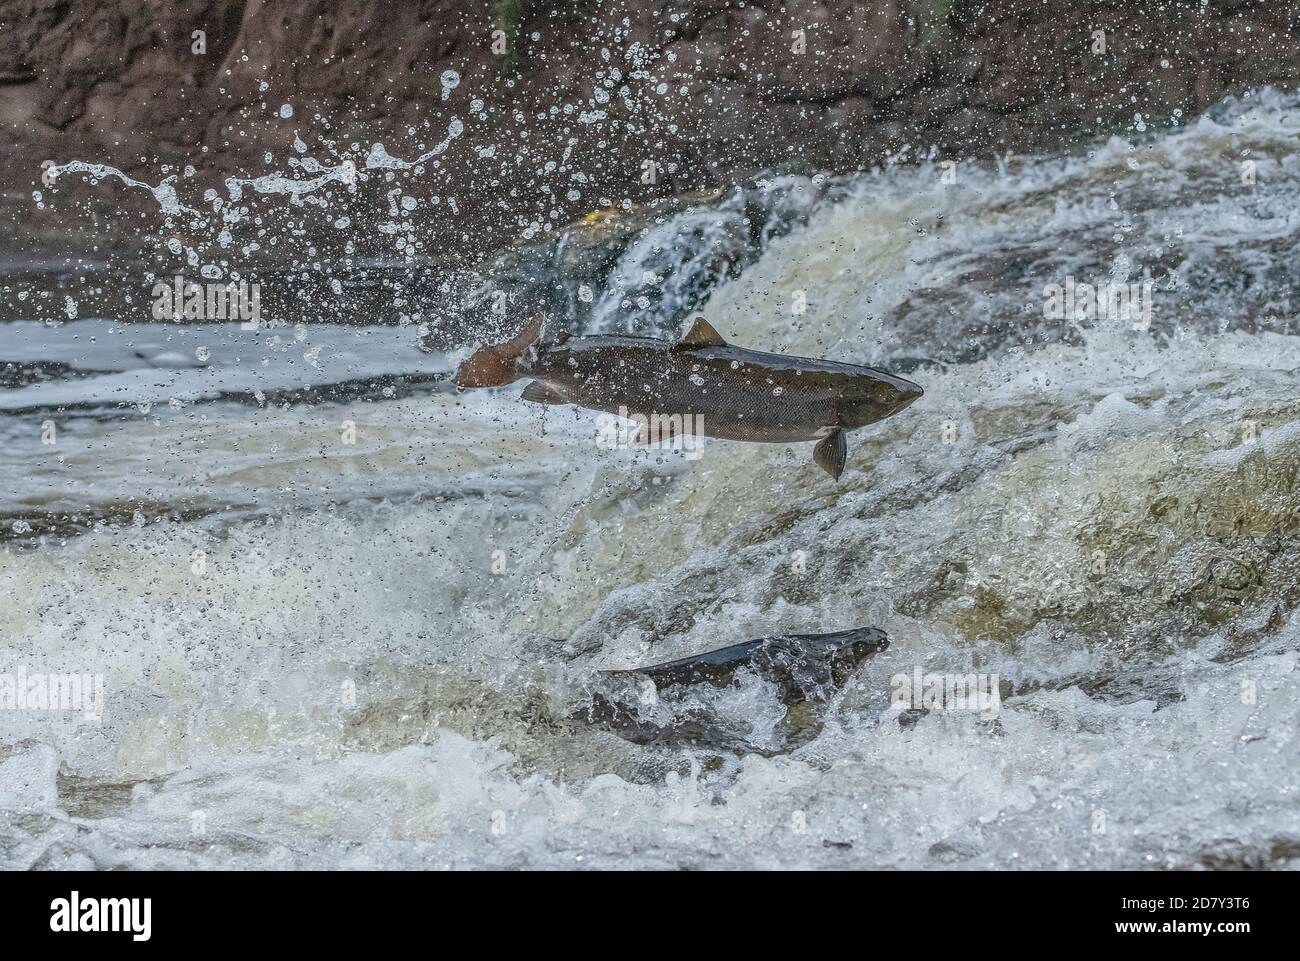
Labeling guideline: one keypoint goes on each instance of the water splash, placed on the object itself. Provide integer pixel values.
(375, 639)
(165, 192)
(379, 159)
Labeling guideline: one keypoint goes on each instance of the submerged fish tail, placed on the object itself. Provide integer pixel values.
(494, 366)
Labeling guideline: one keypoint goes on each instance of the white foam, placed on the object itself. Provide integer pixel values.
(369, 681)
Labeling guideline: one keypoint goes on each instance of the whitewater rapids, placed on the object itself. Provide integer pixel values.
(321, 653)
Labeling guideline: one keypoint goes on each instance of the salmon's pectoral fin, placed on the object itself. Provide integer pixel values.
(701, 334)
(831, 452)
(538, 393)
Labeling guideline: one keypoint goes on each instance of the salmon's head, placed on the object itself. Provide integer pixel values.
(874, 395)
(849, 650)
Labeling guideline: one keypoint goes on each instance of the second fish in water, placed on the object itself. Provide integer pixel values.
(700, 382)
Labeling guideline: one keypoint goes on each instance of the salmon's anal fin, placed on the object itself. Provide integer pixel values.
(538, 393)
(701, 334)
(831, 452)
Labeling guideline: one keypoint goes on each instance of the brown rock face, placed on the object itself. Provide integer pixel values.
(573, 106)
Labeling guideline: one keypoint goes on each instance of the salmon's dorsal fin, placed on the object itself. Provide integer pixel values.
(701, 334)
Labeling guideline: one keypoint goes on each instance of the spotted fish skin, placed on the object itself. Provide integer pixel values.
(738, 394)
(700, 384)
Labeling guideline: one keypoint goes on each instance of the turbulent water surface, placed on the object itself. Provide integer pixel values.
(348, 617)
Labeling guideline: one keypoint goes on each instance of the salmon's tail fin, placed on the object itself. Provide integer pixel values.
(495, 366)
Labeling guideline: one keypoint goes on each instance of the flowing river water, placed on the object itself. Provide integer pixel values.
(346, 616)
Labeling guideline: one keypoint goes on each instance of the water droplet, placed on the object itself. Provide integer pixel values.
(450, 81)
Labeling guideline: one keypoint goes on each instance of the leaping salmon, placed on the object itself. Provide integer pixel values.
(727, 392)
(806, 669)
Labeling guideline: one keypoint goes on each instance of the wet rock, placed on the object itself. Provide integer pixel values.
(743, 88)
(949, 851)
(632, 271)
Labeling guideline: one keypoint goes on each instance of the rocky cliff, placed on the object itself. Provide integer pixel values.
(573, 106)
